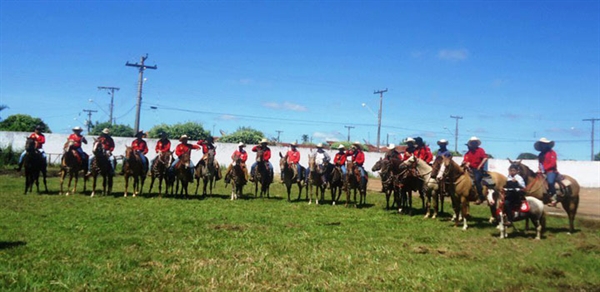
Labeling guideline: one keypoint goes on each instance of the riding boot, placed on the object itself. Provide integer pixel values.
(18, 169)
(553, 200)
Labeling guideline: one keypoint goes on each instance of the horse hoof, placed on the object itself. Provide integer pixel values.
(125, 195)
(434, 216)
(67, 194)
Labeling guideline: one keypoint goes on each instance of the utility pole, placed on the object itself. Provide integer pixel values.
(593, 122)
(141, 67)
(380, 92)
(278, 133)
(456, 132)
(89, 121)
(112, 100)
(349, 127)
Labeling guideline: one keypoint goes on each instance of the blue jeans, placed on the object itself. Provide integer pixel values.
(144, 160)
(362, 174)
(192, 167)
(112, 163)
(25, 152)
(551, 178)
(256, 163)
(478, 174)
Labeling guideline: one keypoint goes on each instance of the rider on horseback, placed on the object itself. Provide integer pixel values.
(39, 139)
(182, 148)
(141, 148)
(422, 151)
(410, 148)
(108, 144)
(340, 160)
(163, 145)
(206, 146)
(76, 139)
(475, 160)
(293, 159)
(547, 165)
(265, 158)
(515, 185)
(443, 151)
(358, 157)
(241, 154)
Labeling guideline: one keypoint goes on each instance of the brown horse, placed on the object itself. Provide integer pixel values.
(134, 167)
(356, 184)
(71, 164)
(183, 174)
(262, 175)
(288, 176)
(435, 190)
(337, 182)
(567, 189)
(463, 189)
(101, 165)
(159, 170)
(207, 170)
(237, 177)
(388, 172)
(415, 173)
(316, 179)
(34, 164)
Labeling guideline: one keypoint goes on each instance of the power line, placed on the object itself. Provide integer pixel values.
(141, 67)
(89, 121)
(593, 120)
(278, 133)
(349, 127)
(456, 132)
(112, 98)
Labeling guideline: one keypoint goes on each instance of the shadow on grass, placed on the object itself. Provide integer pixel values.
(11, 244)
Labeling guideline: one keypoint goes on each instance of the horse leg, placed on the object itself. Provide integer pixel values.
(136, 185)
(126, 184)
(93, 185)
(464, 209)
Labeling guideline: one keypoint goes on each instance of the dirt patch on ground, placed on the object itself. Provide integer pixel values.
(589, 201)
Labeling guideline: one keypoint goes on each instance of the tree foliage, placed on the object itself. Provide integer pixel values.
(23, 123)
(597, 157)
(193, 130)
(247, 135)
(527, 155)
(116, 130)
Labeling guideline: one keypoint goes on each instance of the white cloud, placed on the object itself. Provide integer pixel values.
(286, 106)
(453, 55)
(321, 136)
(272, 105)
(227, 117)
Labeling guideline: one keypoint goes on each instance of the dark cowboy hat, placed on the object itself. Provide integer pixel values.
(139, 134)
(38, 127)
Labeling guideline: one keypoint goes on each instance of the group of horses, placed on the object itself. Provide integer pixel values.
(445, 177)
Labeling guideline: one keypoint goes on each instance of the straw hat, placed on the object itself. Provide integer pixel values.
(241, 144)
(320, 145)
(106, 131)
(410, 140)
(474, 140)
(341, 147)
(391, 146)
(442, 142)
(183, 137)
(264, 141)
(538, 144)
(78, 128)
(294, 144)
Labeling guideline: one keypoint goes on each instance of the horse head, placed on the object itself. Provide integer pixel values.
(378, 165)
(30, 145)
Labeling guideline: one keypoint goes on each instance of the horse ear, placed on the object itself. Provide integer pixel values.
(510, 161)
(520, 161)
(280, 156)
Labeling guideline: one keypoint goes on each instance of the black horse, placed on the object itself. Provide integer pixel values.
(34, 164)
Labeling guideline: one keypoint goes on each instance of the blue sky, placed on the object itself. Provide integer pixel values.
(515, 71)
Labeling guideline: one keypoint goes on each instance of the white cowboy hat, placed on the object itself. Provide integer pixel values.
(356, 143)
(474, 139)
(264, 141)
(442, 141)
(106, 131)
(409, 140)
(341, 147)
(241, 144)
(294, 144)
(320, 145)
(184, 137)
(77, 129)
(538, 145)
(391, 146)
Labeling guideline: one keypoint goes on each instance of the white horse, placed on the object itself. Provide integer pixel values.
(534, 211)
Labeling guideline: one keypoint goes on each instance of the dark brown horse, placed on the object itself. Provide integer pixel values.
(237, 178)
(134, 167)
(337, 182)
(389, 172)
(316, 174)
(101, 165)
(159, 170)
(415, 173)
(567, 189)
(207, 170)
(34, 164)
(288, 176)
(356, 184)
(183, 174)
(262, 175)
(71, 164)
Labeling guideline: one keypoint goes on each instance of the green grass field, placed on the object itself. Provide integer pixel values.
(52, 242)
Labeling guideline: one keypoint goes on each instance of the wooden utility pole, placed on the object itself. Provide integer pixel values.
(349, 127)
(380, 92)
(89, 121)
(278, 133)
(456, 132)
(112, 100)
(593, 122)
(141, 67)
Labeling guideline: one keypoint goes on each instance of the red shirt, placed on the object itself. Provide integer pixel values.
(406, 156)
(39, 139)
(339, 159)
(163, 146)
(358, 157)
(266, 152)
(548, 161)
(107, 143)
(424, 153)
(474, 158)
(205, 146)
(77, 139)
(140, 145)
(293, 156)
(183, 148)
(243, 155)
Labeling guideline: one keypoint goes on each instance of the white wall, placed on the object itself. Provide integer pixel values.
(586, 172)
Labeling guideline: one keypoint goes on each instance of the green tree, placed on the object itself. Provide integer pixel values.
(193, 130)
(597, 157)
(247, 135)
(116, 130)
(305, 139)
(2, 107)
(23, 123)
(527, 155)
